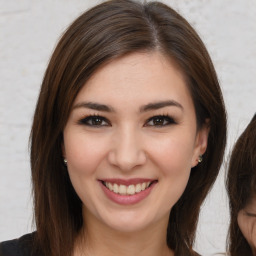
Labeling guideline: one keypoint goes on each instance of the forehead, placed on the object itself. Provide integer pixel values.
(137, 77)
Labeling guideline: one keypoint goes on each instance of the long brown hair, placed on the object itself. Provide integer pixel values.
(241, 186)
(108, 31)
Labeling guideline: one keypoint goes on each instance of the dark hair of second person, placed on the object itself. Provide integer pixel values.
(241, 188)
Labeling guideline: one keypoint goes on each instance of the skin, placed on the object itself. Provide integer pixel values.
(247, 223)
(129, 141)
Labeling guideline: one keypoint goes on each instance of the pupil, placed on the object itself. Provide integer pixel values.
(158, 121)
(96, 121)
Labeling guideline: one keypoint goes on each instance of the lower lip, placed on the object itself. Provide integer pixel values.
(127, 199)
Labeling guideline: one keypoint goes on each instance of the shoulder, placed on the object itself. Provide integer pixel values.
(17, 247)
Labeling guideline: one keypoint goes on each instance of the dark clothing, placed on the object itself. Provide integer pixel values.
(18, 247)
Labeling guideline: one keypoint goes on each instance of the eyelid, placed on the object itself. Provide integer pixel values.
(250, 214)
(84, 120)
(169, 119)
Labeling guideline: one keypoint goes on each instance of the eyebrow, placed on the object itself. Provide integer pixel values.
(145, 108)
(95, 106)
(161, 104)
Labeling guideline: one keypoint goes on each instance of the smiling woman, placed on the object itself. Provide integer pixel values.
(129, 103)
(129, 146)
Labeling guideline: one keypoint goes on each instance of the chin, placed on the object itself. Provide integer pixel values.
(129, 222)
(130, 227)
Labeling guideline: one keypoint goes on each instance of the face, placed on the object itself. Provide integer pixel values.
(130, 142)
(247, 223)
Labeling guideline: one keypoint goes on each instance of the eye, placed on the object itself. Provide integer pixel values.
(94, 121)
(250, 214)
(160, 121)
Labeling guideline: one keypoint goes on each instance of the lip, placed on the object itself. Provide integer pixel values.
(128, 182)
(127, 199)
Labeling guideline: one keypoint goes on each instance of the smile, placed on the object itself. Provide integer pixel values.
(127, 190)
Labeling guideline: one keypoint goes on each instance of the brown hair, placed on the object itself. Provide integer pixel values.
(110, 30)
(241, 186)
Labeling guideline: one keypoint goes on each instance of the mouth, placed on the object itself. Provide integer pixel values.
(128, 189)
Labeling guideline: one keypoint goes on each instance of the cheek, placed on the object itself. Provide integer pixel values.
(173, 155)
(254, 234)
(247, 226)
(242, 223)
(173, 159)
(84, 153)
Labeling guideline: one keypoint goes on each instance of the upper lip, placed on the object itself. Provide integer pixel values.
(127, 182)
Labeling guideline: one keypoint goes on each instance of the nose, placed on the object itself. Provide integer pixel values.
(127, 151)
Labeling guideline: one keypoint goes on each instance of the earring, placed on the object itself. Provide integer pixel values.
(65, 161)
(200, 159)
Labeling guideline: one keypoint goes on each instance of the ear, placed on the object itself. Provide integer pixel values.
(201, 142)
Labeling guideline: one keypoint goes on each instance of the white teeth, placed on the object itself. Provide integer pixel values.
(127, 190)
(143, 186)
(110, 187)
(138, 188)
(131, 190)
(122, 189)
(115, 188)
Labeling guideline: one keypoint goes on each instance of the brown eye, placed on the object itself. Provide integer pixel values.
(160, 121)
(94, 121)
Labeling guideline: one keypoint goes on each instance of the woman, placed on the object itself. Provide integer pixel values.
(241, 187)
(129, 103)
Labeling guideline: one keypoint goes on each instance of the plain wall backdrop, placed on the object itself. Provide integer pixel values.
(29, 30)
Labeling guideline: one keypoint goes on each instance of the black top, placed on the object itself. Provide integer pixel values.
(18, 247)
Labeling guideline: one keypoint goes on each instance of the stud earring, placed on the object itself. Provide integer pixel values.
(200, 159)
(65, 161)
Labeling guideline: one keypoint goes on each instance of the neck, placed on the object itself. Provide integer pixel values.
(99, 239)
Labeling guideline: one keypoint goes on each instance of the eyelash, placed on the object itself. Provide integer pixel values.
(163, 120)
(92, 118)
(250, 214)
(166, 119)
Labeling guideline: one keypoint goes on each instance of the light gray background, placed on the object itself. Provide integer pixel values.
(29, 29)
